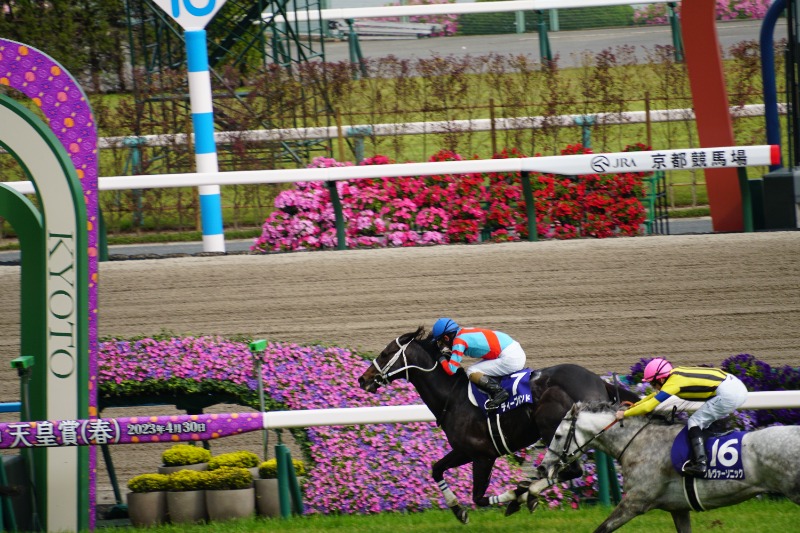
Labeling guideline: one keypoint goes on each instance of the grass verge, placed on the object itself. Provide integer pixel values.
(754, 516)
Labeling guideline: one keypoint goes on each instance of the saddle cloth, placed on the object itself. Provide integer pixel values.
(724, 454)
(518, 386)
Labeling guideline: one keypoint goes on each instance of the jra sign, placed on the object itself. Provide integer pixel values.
(191, 14)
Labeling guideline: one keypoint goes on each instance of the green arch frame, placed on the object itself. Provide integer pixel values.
(54, 306)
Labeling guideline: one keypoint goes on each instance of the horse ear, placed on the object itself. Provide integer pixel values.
(573, 412)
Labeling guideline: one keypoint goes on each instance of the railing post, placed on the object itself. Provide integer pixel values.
(520, 20)
(530, 207)
(356, 56)
(586, 122)
(747, 201)
(675, 25)
(257, 348)
(554, 26)
(601, 466)
(289, 495)
(358, 135)
(544, 42)
(651, 202)
(341, 239)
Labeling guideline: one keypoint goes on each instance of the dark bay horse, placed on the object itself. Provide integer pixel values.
(414, 357)
(769, 463)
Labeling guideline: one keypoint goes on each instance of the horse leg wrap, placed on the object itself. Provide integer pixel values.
(507, 496)
(449, 497)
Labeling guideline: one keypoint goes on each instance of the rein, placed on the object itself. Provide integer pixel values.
(568, 458)
(384, 376)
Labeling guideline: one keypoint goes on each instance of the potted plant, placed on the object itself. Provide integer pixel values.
(267, 495)
(229, 493)
(186, 499)
(184, 457)
(239, 459)
(147, 499)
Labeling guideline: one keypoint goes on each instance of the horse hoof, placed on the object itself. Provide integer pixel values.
(460, 513)
(513, 507)
(533, 503)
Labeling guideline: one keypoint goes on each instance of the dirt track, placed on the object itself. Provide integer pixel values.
(599, 303)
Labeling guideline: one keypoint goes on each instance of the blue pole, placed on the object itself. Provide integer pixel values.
(204, 144)
(766, 40)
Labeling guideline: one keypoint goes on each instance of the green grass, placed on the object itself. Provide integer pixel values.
(754, 516)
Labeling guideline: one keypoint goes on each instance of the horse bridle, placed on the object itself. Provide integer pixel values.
(384, 376)
(568, 458)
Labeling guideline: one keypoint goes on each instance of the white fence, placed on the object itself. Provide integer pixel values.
(449, 9)
(575, 165)
(420, 413)
(436, 127)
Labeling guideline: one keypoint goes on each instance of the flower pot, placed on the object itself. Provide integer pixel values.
(230, 504)
(187, 507)
(147, 509)
(171, 469)
(267, 499)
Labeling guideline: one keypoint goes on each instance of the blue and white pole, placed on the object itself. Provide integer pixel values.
(204, 145)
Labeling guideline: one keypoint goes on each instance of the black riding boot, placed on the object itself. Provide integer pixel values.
(696, 467)
(497, 394)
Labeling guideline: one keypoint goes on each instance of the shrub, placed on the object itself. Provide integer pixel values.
(240, 459)
(185, 454)
(408, 211)
(185, 480)
(149, 483)
(228, 478)
(269, 469)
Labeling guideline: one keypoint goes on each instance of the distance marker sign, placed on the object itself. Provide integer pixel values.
(191, 14)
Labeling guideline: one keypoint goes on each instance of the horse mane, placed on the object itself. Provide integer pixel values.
(424, 339)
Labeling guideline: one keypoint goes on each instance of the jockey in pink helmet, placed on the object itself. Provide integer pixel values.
(722, 393)
(658, 368)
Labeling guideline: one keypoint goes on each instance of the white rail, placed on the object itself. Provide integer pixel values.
(421, 413)
(435, 127)
(449, 9)
(573, 165)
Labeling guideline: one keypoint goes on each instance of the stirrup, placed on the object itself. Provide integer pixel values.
(694, 469)
(496, 401)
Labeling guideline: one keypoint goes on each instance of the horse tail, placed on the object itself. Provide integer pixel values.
(619, 394)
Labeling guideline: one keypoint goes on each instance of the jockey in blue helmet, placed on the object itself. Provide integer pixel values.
(499, 353)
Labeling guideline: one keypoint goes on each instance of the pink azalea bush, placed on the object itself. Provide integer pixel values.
(449, 22)
(357, 469)
(725, 10)
(444, 209)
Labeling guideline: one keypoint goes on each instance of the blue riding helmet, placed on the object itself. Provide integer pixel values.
(444, 326)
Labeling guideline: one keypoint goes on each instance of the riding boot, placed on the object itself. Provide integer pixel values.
(698, 465)
(497, 394)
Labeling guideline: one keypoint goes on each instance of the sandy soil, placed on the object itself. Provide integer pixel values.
(599, 303)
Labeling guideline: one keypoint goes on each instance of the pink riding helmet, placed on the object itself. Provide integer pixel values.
(658, 368)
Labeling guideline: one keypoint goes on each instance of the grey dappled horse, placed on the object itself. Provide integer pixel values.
(770, 457)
